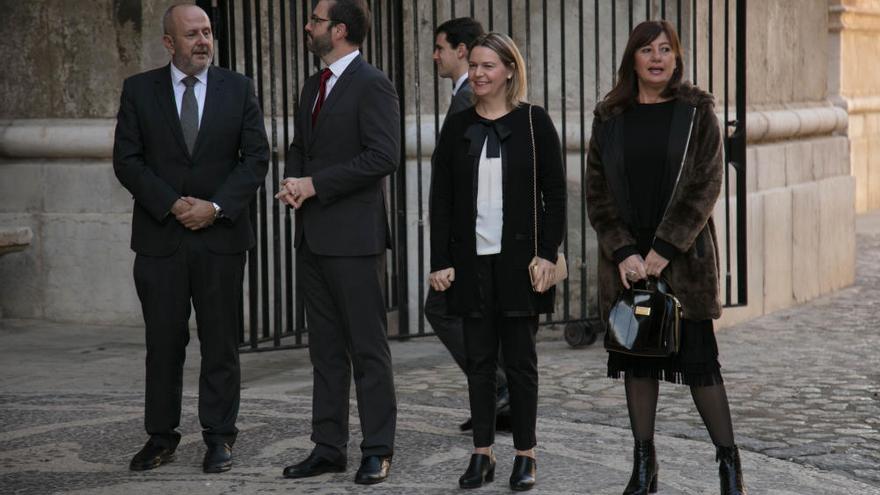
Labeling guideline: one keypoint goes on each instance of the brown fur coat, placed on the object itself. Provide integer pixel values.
(693, 273)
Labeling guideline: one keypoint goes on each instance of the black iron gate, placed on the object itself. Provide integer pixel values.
(571, 49)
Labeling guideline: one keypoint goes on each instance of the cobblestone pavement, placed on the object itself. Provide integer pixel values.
(803, 385)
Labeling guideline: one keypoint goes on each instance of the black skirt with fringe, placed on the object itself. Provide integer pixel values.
(696, 363)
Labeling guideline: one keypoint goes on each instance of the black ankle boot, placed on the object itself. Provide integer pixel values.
(522, 477)
(644, 474)
(480, 470)
(729, 470)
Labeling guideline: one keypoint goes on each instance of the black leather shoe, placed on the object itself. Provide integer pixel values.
(374, 469)
(522, 477)
(643, 479)
(151, 456)
(729, 470)
(218, 458)
(480, 470)
(313, 465)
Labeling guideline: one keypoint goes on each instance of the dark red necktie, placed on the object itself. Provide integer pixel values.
(322, 91)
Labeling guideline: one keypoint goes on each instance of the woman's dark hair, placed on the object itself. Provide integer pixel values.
(626, 89)
(460, 30)
(355, 14)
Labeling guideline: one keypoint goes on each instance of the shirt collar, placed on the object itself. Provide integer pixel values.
(338, 67)
(177, 75)
(459, 83)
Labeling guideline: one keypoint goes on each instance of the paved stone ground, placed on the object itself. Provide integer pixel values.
(803, 385)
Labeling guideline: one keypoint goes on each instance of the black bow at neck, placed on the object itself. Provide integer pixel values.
(491, 132)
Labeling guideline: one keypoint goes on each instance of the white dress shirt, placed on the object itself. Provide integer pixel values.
(200, 88)
(490, 204)
(458, 83)
(336, 68)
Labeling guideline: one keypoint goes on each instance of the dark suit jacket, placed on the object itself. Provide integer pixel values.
(354, 145)
(463, 99)
(228, 163)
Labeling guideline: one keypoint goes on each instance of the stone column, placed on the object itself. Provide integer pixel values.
(854, 85)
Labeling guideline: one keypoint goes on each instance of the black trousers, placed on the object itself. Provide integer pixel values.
(346, 319)
(515, 336)
(449, 330)
(166, 286)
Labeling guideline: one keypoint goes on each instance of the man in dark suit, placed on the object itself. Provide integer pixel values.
(191, 148)
(451, 41)
(346, 141)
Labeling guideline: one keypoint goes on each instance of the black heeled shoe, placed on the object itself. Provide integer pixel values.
(729, 470)
(522, 477)
(643, 479)
(480, 470)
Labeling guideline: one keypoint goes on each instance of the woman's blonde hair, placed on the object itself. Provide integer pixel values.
(501, 44)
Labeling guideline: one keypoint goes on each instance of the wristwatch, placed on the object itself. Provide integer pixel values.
(217, 210)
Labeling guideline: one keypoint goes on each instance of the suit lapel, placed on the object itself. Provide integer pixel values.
(213, 96)
(168, 106)
(338, 89)
(309, 93)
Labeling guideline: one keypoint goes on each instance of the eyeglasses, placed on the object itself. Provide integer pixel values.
(315, 20)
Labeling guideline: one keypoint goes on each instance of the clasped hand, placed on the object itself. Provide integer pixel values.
(541, 272)
(634, 268)
(193, 213)
(295, 191)
(442, 279)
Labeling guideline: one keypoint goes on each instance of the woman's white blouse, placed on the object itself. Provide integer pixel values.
(490, 203)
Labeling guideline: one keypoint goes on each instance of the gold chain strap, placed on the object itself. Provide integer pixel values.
(534, 177)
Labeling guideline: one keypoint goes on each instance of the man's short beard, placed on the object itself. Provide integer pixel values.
(318, 46)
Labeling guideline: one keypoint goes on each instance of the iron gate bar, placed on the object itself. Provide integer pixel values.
(711, 48)
(678, 16)
(566, 301)
(419, 193)
(288, 273)
(583, 165)
(401, 255)
(726, 128)
(630, 14)
(613, 45)
(276, 210)
(738, 159)
(261, 195)
(596, 49)
(253, 260)
(694, 62)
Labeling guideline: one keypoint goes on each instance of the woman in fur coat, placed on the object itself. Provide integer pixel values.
(654, 173)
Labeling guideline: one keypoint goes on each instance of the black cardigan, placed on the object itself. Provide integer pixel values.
(453, 206)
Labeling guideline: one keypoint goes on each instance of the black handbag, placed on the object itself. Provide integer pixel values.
(645, 321)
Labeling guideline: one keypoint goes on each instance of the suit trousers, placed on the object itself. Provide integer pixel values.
(515, 336)
(168, 287)
(347, 325)
(449, 330)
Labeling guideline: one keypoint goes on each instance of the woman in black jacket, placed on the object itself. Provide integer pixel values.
(654, 174)
(483, 225)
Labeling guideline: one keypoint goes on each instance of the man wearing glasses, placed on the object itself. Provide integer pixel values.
(346, 141)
